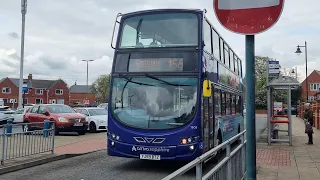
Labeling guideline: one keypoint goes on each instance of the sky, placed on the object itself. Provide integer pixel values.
(59, 34)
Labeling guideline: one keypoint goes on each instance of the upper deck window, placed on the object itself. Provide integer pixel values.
(159, 30)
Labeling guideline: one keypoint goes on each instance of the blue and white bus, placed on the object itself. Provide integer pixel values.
(175, 86)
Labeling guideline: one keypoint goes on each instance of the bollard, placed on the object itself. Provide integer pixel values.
(46, 128)
(9, 127)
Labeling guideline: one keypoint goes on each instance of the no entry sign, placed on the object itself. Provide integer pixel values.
(248, 17)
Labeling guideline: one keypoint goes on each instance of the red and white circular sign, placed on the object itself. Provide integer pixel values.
(248, 17)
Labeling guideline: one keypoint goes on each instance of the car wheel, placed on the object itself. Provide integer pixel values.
(92, 127)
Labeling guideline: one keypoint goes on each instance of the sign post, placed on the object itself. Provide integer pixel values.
(249, 17)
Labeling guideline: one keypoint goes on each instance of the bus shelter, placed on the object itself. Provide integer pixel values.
(273, 119)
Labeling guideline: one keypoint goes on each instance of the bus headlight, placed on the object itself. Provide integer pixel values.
(189, 140)
(113, 136)
(191, 148)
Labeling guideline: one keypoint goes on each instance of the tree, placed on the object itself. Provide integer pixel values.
(261, 83)
(101, 88)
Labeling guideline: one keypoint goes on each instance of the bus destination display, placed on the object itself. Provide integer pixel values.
(156, 65)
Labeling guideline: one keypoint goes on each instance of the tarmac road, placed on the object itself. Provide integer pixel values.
(100, 166)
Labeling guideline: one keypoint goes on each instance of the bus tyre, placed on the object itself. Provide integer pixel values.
(219, 152)
(239, 138)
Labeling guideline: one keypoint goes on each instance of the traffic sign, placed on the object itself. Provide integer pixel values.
(25, 88)
(273, 68)
(248, 17)
(86, 102)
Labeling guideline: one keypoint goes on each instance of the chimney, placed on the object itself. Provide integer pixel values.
(30, 77)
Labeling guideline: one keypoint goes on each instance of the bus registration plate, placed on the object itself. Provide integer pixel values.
(150, 156)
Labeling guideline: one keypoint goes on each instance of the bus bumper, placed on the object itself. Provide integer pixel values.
(179, 152)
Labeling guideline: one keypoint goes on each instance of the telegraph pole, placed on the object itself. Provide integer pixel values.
(23, 12)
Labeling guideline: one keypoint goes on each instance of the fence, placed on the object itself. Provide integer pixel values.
(231, 167)
(315, 106)
(26, 143)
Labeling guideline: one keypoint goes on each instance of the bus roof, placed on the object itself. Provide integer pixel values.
(160, 10)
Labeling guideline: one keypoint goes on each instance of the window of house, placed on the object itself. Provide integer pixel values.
(52, 101)
(6, 90)
(25, 101)
(314, 87)
(311, 98)
(207, 37)
(39, 101)
(39, 91)
(59, 91)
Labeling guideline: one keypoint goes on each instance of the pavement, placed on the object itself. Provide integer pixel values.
(280, 161)
(66, 145)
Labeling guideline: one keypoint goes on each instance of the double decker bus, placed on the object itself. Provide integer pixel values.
(175, 86)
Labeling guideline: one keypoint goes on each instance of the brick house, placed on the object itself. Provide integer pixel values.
(40, 91)
(313, 86)
(78, 94)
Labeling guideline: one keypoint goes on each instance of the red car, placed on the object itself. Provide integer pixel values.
(66, 118)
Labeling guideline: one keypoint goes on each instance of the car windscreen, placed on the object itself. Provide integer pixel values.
(61, 109)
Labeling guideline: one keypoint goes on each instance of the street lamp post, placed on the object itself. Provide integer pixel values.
(23, 12)
(87, 75)
(298, 52)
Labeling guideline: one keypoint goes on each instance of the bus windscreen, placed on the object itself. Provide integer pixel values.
(159, 30)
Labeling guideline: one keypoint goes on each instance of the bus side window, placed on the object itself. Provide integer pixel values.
(217, 102)
(238, 105)
(233, 104)
(228, 104)
(223, 104)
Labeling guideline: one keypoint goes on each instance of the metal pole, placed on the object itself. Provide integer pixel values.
(23, 12)
(268, 106)
(305, 46)
(251, 114)
(289, 116)
(87, 79)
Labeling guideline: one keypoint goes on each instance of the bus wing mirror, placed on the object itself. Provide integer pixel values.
(207, 89)
(114, 28)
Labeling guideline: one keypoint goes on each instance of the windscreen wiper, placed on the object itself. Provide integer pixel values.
(172, 84)
(129, 80)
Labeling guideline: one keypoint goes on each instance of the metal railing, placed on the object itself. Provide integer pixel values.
(231, 167)
(16, 143)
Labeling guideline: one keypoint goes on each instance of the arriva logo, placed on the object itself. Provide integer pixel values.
(150, 149)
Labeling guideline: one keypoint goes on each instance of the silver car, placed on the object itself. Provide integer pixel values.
(97, 118)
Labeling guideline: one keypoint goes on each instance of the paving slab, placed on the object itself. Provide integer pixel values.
(280, 161)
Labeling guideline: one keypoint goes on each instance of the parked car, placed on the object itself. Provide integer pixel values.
(18, 115)
(103, 105)
(5, 113)
(97, 118)
(66, 118)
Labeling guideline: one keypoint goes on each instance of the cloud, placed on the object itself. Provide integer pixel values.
(59, 34)
(14, 35)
